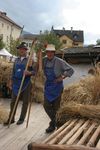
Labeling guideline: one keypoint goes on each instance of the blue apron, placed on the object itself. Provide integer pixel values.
(19, 70)
(52, 89)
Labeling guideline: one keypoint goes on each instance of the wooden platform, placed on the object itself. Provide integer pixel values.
(17, 137)
(76, 134)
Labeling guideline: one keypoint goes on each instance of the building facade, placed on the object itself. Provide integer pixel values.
(70, 38)
(8, 28)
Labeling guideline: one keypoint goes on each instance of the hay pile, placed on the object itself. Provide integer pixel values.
(38, 87)
(81, 100)
(3, 114)
(5, 71)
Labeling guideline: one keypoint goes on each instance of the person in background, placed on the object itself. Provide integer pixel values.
(55, 70)
(17, 75)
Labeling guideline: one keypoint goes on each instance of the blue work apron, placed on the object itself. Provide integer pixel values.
(52, 89)
(19, 70)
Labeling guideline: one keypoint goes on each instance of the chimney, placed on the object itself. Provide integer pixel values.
(71, 29)
(63, 29)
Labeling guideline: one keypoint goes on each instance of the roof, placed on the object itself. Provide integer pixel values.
(27, 35)
(77, 50)
(75, 35)
(4, 16)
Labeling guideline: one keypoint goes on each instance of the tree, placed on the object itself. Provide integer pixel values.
(2, 44)
(98, 42)
(12, 46)
(48, 38)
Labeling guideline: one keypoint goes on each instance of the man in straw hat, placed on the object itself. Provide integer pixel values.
(17, 74)
(55, 70)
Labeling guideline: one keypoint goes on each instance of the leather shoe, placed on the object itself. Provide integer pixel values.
(50, 129)
(20, 122)
(7, 122)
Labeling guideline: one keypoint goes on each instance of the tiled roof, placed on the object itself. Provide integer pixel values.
(5, 17)
(75, 35)
(76, 50)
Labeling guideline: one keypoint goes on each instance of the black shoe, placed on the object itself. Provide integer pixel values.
(7, 122)
(20, 122)
(50, 129)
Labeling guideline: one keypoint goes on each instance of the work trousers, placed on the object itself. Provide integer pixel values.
(25, 96)
(51, 109)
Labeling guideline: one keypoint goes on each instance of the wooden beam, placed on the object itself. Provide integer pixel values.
(57, 132)
(96, 134)
(98, 144)
(86, 135)
(33, 146)
(58, 137)
(71, 133)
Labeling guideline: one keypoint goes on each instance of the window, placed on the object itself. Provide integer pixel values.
(64, 41)
(7, 27)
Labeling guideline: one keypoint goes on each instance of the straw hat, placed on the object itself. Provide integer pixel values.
(50, 47)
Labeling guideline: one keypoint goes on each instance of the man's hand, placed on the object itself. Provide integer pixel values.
(27, 73)
(59, 79)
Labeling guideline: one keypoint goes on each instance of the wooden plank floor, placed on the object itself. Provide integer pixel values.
(17, 137)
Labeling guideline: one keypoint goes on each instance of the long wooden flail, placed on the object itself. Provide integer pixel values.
(30, 104)
(39, 69)
(19, 91)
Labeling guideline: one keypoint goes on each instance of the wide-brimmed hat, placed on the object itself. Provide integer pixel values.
(22, 45)
(50, 47)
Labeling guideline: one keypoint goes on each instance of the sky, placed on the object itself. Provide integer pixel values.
(38, 15)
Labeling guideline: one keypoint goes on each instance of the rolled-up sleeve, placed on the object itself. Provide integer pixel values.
(67, 69)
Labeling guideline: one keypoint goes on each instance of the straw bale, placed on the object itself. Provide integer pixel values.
(38, 87)
(74, 110)
(81, 99)
(5, 71)
(3, 114)
(86, 91)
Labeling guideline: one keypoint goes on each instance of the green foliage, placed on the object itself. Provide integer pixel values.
(98, 42)
(48, 38)
(2, 44)
(12, 46)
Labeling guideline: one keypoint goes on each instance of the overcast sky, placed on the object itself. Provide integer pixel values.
(38, 15)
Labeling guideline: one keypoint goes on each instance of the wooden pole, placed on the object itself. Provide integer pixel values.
(33, 146)
(94, 137)
(86, 135)
(19, 91)
(76, 135)
(64, 132)
(67, 137)
(56, 132)
(30, 104)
